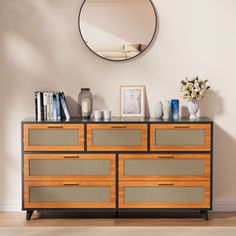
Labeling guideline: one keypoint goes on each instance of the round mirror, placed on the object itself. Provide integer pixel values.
(117, 29)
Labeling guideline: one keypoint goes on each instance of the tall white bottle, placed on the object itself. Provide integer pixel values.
(166, 110)
(159, 110)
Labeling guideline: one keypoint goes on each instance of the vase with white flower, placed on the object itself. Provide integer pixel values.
(194, 90)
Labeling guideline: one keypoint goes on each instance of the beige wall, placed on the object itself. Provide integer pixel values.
(40, 48)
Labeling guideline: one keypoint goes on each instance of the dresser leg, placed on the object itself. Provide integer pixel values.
(117, 214)
(204, 215)
(29, 214)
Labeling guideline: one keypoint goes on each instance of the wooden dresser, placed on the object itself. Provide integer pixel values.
(121, 165)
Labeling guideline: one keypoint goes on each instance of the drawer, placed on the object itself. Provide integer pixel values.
(164, 167)
(180, 137)
(69, 194)
(53, 137)
(69, 166)
(179, 194)
(117, 137)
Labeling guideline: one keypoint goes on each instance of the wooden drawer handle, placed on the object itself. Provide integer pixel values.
(71, 156)
(166, 156)
(118, 126)
(165, 184)
(55, 126)
(182, 126)
(71, 184)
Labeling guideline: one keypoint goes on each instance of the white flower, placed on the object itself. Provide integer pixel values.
(194, 89)
(197, 87)
(189, 85)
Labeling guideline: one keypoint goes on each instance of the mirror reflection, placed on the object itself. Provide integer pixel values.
(117, 29)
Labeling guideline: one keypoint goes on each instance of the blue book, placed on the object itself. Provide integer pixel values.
(58, 107)
(64, 106)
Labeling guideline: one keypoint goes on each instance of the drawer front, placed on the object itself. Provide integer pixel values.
(164, 167)
(117, 137)
(69, 194)
(164, 194)
(184, 137)
(69, 166)
(54, 137)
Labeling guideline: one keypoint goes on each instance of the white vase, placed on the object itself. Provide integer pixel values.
(166, 110)
(159, 110)
(193, 107)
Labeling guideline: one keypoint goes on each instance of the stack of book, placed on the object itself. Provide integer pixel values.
(51, 106)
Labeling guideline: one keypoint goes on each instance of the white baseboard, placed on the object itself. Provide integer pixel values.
(10, 206)
(217, 206)
(224, 206)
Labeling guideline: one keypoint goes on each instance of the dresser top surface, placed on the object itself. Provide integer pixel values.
(122, 120)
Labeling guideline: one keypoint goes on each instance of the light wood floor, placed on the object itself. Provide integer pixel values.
(18, 219)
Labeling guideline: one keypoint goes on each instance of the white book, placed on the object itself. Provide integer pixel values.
(54, 107)
(51, 106)
(47, 105)
(39, 106)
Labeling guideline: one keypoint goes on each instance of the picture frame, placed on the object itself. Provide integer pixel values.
(132, 101)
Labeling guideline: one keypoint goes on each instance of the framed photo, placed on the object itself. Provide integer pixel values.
(132, 101)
